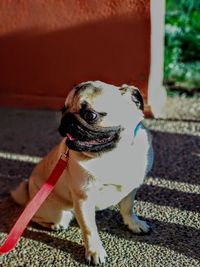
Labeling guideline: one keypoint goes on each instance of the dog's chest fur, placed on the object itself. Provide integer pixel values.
(117, 173)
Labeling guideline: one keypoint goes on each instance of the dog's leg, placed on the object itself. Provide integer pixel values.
(85, 215)
(130, 219)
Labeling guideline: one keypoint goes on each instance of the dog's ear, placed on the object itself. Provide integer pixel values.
(133, 93)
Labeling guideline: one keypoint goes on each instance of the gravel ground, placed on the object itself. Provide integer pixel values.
(169, 199)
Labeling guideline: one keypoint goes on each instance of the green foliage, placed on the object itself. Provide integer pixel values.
(182, 43)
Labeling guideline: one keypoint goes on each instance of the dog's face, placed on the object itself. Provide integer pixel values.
(96, 114)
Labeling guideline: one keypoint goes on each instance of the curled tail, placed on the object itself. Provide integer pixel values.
(20, 194)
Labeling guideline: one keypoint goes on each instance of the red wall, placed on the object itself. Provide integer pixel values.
(47, 46)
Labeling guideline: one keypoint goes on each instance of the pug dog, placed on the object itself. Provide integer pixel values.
(107, 162)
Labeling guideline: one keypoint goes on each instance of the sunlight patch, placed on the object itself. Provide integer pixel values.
(168, 214)
(19, 157)
(173, 185)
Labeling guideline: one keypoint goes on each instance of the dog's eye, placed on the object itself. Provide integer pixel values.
(89, 116)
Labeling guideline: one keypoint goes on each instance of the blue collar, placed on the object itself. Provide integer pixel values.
(137, 128)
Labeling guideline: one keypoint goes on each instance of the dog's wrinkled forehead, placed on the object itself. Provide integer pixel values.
(93, 93)
(88, 91)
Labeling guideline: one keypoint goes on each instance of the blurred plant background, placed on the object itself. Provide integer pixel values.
(182, 47)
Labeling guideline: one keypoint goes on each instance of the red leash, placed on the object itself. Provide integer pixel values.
(29, 211)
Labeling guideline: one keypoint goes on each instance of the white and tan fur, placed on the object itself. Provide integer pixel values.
(92, 180)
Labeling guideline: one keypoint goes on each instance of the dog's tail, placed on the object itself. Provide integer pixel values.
(20, 194)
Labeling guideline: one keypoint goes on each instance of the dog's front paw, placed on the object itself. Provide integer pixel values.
(59, 227)
(96, 254)
(136, 225)
(64, 222)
